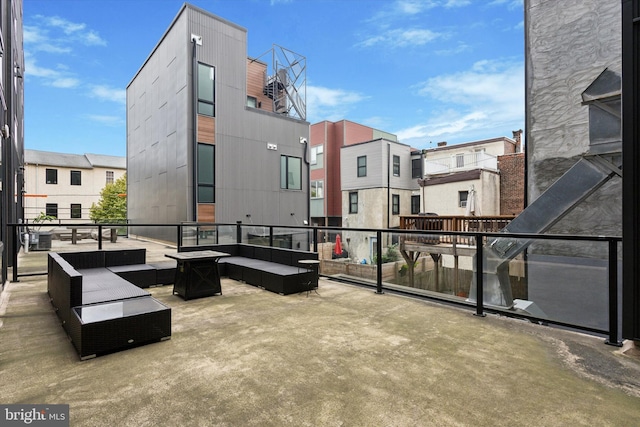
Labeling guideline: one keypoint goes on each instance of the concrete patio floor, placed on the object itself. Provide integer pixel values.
(345, 357)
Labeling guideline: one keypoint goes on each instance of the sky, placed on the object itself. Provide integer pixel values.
(425, 70)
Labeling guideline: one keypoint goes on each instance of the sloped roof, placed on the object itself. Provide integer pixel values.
(80, 161)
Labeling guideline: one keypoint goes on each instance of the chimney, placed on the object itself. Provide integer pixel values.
(442, 144)
(517, 137)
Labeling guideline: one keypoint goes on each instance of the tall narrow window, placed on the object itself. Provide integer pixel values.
(206, 90)
(76, 210)
(76, 177)
(109, 177)
(362, 166)
(353, 202)
(396, 165)
(52, 176)
(206, 173)
(395, 204)
(415, 205)
(416, 168)
(290, 173)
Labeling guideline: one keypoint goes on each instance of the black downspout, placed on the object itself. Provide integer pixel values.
(388, 187)
(194, 144)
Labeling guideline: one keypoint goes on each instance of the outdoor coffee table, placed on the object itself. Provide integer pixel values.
(197, 274)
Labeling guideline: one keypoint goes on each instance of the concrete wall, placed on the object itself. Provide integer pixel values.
(568, 45)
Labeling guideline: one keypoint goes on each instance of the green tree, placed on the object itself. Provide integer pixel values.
(112, 207)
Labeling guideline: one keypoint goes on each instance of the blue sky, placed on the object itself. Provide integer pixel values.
(426, 70)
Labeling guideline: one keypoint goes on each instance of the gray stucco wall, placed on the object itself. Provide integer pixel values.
(568, 44)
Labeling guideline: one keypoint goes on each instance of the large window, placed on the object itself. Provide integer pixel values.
(206, 90)
(353, 202)
(362, 166)
(51, 176)
(315, 152)
(415, 205)
(317, 189)
(52, 210)
(76, 177)
(396, 165)
(395, 204)
(76, 210)
(206, 173)
(290, 173)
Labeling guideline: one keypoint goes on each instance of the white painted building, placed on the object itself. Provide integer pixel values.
(454, 173)
(66, 185)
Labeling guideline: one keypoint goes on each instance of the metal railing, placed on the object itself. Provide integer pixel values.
(368, 264)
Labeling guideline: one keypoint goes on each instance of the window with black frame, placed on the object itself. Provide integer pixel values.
(206, 90)
(206, 173)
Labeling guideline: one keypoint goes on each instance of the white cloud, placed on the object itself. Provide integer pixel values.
(109, 94)
(106, 120)
(330, 104)
(402, 38)
(487, 99)
(73, 32)
(457, 3)
(50, 77)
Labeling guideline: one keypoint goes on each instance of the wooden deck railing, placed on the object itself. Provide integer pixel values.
(453, 223)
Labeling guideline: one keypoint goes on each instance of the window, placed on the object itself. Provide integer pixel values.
(315, 151)
(206, 173)
(362, 166)
(317, 189)
(76, 178)
(353, 202)
(396, 165)
(415, 205)
(416, 168)
(290, 173)
(52, 210)
(252, 102)
(206, 90)
(462, 198)
(459, 160)
(76, 210)
(52, 176)
(109, 177)
(395, 204)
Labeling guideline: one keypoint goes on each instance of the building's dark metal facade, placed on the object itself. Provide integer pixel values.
(631, 167)
(11, 124)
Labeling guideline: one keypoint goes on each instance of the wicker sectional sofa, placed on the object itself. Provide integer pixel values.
(274, 269)
(98, 296)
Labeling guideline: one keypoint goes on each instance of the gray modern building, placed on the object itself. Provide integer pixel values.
(215, 136)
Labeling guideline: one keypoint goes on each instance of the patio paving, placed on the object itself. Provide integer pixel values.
(345, 357)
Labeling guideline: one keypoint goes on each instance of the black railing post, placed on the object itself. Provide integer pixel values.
(479, 276)
(315, 239)
(271, 236)
(613, 294)
(238, 231)
(99, 237)
(178, 236)
(379, 263)
(14, 252)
